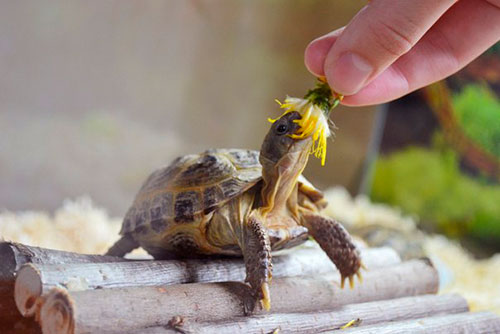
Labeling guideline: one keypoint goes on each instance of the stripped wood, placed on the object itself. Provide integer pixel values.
(303, 323)
(139, 307)
(463, 323)
(13, 255)
(35, 280)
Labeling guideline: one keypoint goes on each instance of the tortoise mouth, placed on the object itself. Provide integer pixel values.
(300, 144)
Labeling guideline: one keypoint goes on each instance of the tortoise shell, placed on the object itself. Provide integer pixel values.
(192, 186)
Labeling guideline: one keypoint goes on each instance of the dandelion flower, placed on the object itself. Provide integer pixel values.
(315, 109)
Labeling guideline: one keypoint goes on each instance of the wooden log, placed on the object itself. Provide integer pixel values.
(303, 323)
(20, 325)
(8, 308)
(139, 307)
(11, 321)
(13, 255)
(35, 280)
(463, 323)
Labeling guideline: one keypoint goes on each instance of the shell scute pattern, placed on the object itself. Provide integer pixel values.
(183, 245)
(245, 158)
(207, 169)
(142, 215)
(155, 213)
(158, 225)
(193, 185)
(231, 187)
(187, 204)
(164, 175)
(247, 163)
(129, 221)
(211, 197)
(166, 203)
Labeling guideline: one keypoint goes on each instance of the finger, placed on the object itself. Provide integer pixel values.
(317, 50)
(469, 28)
(378, 35)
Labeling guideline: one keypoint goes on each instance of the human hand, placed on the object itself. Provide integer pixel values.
(393, 47)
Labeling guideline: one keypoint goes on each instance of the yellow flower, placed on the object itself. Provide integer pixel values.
(314, 122)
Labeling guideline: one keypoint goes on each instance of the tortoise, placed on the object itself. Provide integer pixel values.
(234, 202)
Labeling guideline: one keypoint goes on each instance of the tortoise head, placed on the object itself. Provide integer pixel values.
(279, 143)
(283, 158)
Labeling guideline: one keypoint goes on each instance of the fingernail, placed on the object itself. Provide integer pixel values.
(348, 74)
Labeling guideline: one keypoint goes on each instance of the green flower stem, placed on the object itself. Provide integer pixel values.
(322, 96)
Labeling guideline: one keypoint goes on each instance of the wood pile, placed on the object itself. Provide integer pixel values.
(50, 291)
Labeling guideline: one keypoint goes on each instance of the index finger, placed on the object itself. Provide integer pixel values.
(377, 36)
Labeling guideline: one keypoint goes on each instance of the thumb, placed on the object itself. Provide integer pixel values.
(376, 37)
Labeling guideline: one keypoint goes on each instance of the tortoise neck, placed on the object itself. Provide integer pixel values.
(280, 181)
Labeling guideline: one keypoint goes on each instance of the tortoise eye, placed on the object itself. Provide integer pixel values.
(281, 129)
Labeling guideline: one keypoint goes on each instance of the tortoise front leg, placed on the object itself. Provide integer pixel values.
(257, 255)
(337, 244)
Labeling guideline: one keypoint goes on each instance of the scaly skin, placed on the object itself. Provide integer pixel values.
(337, 244)
(257, 254)
(283, 159)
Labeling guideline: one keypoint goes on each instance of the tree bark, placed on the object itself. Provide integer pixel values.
(35, 280)
(303, 323)
(463, 323)
(13, 255)
(139, 307)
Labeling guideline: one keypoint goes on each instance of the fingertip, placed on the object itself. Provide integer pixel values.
(314, 57)
(316, 52)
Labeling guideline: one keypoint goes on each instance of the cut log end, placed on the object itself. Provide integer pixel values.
(28, 288)
(8, 260)
(57, 314)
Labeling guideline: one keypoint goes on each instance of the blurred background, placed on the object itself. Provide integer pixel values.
(95, 97)
(439, 157)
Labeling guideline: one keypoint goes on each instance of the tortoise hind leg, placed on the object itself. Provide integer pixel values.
(337, 244)
(124, 245)
(257, 255)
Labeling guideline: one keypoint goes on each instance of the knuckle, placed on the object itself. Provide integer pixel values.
(394, 40)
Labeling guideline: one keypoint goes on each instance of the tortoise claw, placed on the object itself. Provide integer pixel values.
(266, 297)
(362, 265)
(351, 277)
(351, 282)
(256, 297)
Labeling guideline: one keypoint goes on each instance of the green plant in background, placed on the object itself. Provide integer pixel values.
(428, 182)
(478, 110)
